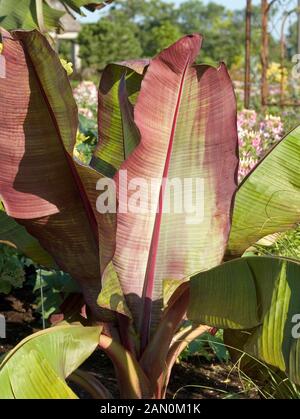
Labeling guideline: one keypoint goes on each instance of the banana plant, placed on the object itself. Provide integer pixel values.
(142, 273)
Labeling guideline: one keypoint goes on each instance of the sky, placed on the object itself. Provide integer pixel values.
(231, 4)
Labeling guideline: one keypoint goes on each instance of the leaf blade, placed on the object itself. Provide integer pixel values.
(38, 366)
(174, 120)
(265, 314)
(39, 183)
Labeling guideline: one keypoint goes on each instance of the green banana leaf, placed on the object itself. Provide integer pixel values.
(268, 200)
(258, 293)
(39, 365)
(25, 13)
(118, 135)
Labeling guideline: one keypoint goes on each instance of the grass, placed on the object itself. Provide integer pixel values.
(287, 245)
(254, 376)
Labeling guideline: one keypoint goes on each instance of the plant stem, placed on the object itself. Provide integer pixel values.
(176, 349)
(132, 380)
(90, 384)
(153, 360)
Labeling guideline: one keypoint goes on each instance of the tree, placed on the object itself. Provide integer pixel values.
(156, 24)
(148, 15)
(220, 27)
(159, 24)
(292, 39)
(162, 36)
(108, 41)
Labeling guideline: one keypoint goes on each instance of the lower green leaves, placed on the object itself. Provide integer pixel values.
(15, 235)
(38, 366)
(258, 293)
(224, 297)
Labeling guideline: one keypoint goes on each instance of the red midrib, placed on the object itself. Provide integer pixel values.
(149, 277)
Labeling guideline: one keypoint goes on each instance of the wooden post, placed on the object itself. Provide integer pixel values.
(2, 327)
(298, 27)
(282, 53)
(75, 57)
(264, 52)
(265, 8)
(247, 87)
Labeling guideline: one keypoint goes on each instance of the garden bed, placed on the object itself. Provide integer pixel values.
(196, 378)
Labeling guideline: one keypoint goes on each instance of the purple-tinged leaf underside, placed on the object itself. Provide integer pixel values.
(186, 116)
(39, 183)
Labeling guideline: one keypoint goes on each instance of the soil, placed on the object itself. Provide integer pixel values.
(193, 379)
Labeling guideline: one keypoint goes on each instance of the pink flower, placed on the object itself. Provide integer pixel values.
(256, 142)
(86, 112)
(256, 136)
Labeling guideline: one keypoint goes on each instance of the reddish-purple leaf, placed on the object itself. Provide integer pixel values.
(186, 115)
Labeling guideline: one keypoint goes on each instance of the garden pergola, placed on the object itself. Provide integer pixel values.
(265, 9)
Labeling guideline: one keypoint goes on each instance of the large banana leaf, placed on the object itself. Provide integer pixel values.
(15, 235)
(38, 366)
(260, 294)
(186, 116)
(118, 135)
(39, 183)
(268, 200)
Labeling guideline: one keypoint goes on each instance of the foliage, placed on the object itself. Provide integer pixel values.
(84, 147)
(31, 14)
(143, 273)
(149, 26)
(216, 23)
(100, 43)
(273, 206)
(86, 97)
(11, 270)
(47, 357)
(146, 15)
(268, 295)
(56, 287)
(285, 244)
(65, 49)
(208, 346)
(274, 73)
(68, 66)
(162, 36)
(156, 24)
